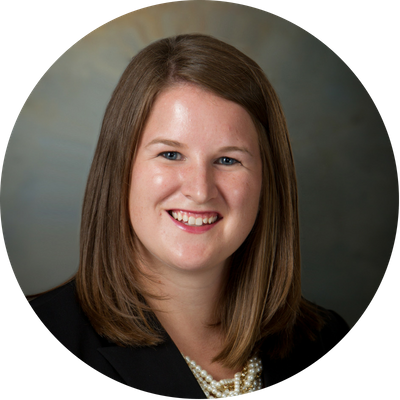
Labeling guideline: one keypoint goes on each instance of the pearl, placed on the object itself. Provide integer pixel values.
(246, 381)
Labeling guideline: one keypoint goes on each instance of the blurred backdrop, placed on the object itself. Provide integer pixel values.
(345, 165)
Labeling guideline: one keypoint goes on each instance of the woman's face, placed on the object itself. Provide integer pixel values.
(196, 180)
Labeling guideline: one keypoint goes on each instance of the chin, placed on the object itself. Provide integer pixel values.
(196, 265)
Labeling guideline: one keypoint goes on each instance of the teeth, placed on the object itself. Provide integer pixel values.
(192, 220)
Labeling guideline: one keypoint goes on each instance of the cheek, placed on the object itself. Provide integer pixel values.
(149, 186)
(243, 195)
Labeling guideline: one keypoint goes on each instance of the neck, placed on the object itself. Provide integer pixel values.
(188, 297)
(186, 306)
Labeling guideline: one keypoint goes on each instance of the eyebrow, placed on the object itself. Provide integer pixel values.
(167, 142)
(174, 143)
(235, 148)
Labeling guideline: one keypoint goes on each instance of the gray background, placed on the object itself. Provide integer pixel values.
(345, 166)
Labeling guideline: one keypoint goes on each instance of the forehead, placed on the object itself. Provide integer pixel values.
(187, 111)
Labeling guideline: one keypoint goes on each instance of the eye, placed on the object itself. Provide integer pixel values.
(171, 155)
(227, 161)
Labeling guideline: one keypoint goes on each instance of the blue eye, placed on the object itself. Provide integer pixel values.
(171, 155)
(227, 161)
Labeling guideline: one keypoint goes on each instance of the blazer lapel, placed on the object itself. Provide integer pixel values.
(161, 369)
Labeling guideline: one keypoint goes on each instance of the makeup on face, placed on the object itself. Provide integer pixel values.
(196, 179)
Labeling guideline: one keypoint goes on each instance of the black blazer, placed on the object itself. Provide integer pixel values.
(156, 369)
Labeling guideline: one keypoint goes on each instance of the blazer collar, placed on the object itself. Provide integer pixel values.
(162, 369)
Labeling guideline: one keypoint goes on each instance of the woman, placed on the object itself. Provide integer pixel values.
(189, 277)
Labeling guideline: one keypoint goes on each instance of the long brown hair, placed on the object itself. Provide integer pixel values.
(262, 297)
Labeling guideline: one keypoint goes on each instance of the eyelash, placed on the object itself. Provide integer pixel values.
(175, 156)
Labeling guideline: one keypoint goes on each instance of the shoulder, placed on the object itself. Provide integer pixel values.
(62, 296)
(334, 330)
(322, 357)
(313, 365)
(311, 348)
(60, 312)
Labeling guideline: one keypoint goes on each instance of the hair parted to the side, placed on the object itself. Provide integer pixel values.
(262, 297)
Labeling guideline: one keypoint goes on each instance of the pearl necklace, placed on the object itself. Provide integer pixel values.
(249, 380)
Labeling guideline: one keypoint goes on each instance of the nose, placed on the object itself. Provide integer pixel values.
(198, 183)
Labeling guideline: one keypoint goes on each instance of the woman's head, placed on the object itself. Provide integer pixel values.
(202, 61)
(266, 264)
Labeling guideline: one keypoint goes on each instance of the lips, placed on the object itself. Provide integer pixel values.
(191, 218)
(194, 222)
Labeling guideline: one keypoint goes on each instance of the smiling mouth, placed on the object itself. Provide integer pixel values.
(194, 219)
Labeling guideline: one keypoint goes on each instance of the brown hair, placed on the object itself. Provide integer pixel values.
(262, 296)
